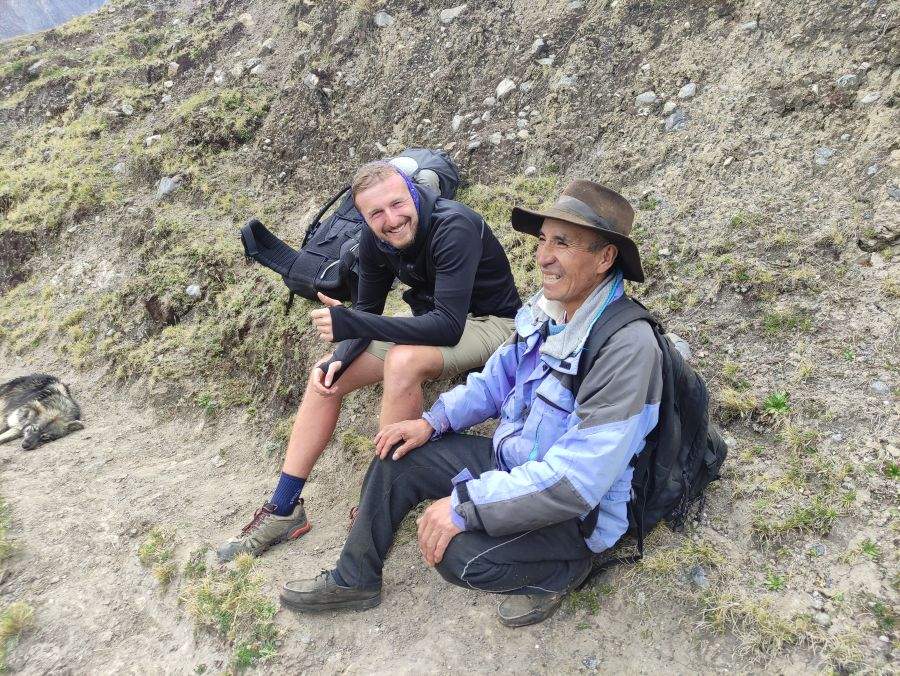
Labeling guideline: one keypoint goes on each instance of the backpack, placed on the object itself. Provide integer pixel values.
(683, 453)
(327, 260)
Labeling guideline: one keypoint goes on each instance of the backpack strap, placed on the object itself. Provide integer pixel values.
(315, 224)
(619, 314)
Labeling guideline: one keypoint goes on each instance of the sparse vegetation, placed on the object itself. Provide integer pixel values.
(15, 619)
(6, 546)
(157, 553)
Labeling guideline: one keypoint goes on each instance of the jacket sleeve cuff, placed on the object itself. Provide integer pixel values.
(437, 418)
(340, 316)
(455, 516)
(461, 505)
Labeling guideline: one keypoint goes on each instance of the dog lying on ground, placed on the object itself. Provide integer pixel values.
(38, 408)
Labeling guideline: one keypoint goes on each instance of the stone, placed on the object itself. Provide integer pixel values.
(817, 602)
(489, 101)
(168, 185)
(680, 344)
(749, 26)
(237, 71)
(817, 549)
(486, 116)
(822, 619)
(475, 122)
(168, 84)
(449, 15)
(208, 70)
(576, 4)
(546, 60)
(36, 68)
(251, 62)
(530, 170)
(845, 137)
(173, 68)
(521, 123)
(849, 81)
(676, 121)
(669, 107)
(871, 170)
(311, 80)
(218, 461)
(823, 155)
(127, 109)
(30, 49)
(151, 140)
(869, 98)
(193, 291)
(259, 69)
(645, 99)
(563, 82)
(496, 138)
(383, 19)
(538, 46)
(526, 86)
(880, 387)
(590, 662)
(118, 168)
(523, 134)
(697, 576)
(219, 78)
(456, 122)
(267, 46)
(688, 91)
(505, 87)
(247, 20)
(473, 145)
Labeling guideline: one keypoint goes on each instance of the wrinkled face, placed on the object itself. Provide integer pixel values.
(571, 269)
(31, 437)
(389, 211)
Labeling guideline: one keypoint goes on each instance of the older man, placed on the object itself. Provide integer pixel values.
(463, 299)
(509, 512)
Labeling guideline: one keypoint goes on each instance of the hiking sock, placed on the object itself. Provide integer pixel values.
(286, 493)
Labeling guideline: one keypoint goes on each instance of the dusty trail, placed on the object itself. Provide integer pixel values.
(82, 505)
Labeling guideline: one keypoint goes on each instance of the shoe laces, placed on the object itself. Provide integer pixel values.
(258, 517)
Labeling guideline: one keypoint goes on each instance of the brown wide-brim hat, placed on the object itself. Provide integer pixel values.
(594, 206)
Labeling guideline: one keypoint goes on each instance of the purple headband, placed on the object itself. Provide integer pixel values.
(413, 191)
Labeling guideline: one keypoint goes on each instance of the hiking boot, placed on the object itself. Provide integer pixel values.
(266, 529)
(523, 610)
(323, 593)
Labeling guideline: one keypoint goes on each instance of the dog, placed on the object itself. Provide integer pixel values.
(38, 408)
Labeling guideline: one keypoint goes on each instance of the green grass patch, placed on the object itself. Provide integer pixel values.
(6, 546)
(157, 553)
(15, 619)
(230, 603)
(772, 520)
(789, 322)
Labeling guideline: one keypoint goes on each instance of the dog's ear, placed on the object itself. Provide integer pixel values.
(74, 426)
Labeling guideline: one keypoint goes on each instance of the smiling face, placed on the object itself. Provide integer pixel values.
(572, 263)
(389, 211)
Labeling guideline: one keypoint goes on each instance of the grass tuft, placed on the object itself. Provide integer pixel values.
(157, 553)
(15, 619)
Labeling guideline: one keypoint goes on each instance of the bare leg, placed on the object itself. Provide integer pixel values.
(406, 367)
(317, 415)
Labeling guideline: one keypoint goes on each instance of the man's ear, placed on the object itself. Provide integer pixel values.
(608, 255)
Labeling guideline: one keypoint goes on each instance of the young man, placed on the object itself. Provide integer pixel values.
(463, 299)
(512, 514)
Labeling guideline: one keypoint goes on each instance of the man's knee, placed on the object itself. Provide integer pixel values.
(412, 364)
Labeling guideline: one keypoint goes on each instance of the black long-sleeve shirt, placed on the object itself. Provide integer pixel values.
(454, 266)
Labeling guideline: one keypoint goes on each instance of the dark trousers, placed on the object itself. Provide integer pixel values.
(545, 560)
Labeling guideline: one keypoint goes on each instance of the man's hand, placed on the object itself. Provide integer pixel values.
(413, 433)
(321, 319)
(436, 529)
(321, 381)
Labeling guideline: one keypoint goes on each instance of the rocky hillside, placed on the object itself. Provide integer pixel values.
(28, 16)
(757, 141)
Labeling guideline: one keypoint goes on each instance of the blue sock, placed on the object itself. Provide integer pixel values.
(286, 493)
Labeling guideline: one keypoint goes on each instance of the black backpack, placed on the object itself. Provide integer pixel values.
(683, 453)
(327, 260)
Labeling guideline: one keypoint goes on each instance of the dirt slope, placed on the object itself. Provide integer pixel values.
(758, 144)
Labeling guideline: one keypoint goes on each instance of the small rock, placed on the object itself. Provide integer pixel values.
(127, 109)
(311, 80)
(728, 161)
(664, 253)
(823, 155)
(749, 26)
(383, 19)
(698, 577)
(473, 145)
(530, 170)
(872, 169)
(237, 70)
(681, 345)
(505, 87)
(817, 549)
(676, 121)
(489, 101)
(448, 15)
(193, 291)
(523, 134)
(486, 116)
(258, 69)
(869, 98)
(118, 169)
(151, 140)
(563, 82)
(247, 20)
(168, 84)
(688, 91)
(880, 387)
(496, 138)
(546, 60)
(526, 86)
(476, 122)
(36, 68)
(538, 46)
(168, 185)
(521, 123)
(590, 663)
(646, 99)
(849, 81)
(456, 122)
(267, 47)
(845, 137)
(208, 71)
(817, 602)
(218, 461)
(669, 107)
(173, 68)
(576, 4)
(165, 98)
(251, 62)
(822, 619)
(30, 49)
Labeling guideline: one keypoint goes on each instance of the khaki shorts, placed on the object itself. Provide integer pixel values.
(480, 339)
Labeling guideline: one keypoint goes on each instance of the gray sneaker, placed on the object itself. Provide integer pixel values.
(523, 610)
(266, 529)
(323, 593)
